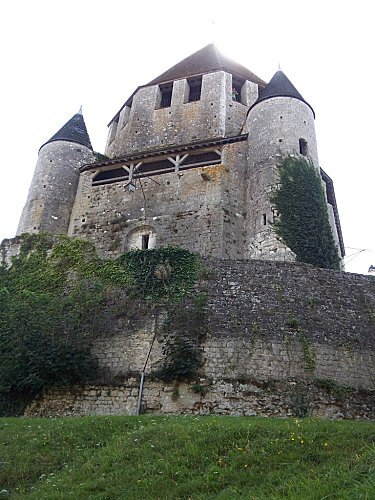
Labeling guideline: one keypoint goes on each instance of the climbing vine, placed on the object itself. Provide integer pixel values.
(303, 222)
(59, 295)
(52, 304)
(181, 336)
(161, 275)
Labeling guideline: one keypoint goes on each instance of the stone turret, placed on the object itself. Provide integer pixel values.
(54, 184)
(280, 123)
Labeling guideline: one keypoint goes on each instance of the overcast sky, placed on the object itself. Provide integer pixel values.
(57, 56)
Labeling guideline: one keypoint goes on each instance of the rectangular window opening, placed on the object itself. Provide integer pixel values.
(303, 147)
(166, 95)
(264, 219)
(145, 241)
(195, 85)
(237, 89)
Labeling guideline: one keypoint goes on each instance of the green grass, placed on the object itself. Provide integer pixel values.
(186, 457)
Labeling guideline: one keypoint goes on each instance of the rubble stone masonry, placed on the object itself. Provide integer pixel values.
(281, 339)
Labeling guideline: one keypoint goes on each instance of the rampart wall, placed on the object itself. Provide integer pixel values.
(280, 339)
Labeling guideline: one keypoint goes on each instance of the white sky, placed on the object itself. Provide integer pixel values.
(58, 55)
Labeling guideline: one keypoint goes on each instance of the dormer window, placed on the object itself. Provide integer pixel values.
(195, 86)
(166, 95)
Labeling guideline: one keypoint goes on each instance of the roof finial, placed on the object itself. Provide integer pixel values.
(80, 111)
(279, 69)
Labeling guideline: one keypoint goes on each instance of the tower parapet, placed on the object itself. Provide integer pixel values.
(205, 96)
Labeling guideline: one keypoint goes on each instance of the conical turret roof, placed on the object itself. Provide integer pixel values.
(280, 86)
(205, 60)
(74, 130)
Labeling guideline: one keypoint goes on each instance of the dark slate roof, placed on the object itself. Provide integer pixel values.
(203, 61)
(280, 86)
(74, 130)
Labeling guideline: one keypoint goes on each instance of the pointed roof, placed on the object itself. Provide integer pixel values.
(280, 86)
(203, 61)
(74, 130)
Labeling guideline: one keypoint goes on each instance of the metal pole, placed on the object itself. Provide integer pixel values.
(140, 393)
(139, 404)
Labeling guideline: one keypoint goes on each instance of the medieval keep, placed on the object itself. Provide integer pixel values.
(191, 159)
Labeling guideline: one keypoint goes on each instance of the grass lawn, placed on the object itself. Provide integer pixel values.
(186, 457)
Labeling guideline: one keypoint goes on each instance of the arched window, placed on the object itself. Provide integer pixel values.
(141, 238)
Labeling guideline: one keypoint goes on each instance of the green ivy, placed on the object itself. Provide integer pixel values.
(303, 222)
(99, 157)
(161, 275)
(181, 336)
(58, 296)
(53, 302)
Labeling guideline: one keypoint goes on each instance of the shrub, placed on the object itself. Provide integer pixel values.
(52, 305)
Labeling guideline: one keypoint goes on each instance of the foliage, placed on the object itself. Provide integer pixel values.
(181, 335)
(308, 355)
(299, 404)
(182, 358)
(339, 391)
(199, 389)
(99, 157)
(303, 222)
(161, 275)
(186, 457)
(292, 322)
(52, 304)
(55, 299)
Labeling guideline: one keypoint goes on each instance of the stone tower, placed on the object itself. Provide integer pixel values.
(191, 159)
(279, 123)
(54, 184)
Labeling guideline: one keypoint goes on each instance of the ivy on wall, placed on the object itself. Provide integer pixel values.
(161, 275)
(59, 295)
(303, 222)
(181, 337)
(52, 304)
(164, 277)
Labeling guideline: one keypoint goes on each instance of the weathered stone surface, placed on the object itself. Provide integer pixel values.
(221, 398)
(53, 188)
(265, 321)
(275, 333)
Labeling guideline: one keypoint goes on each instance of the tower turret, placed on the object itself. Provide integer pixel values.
(54, 184)
(280, 123)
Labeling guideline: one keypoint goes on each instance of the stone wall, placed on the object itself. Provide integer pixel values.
(277, 336)
(201, 209)
(222, 397)
(9, 248)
